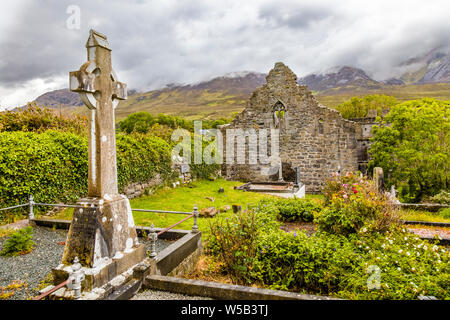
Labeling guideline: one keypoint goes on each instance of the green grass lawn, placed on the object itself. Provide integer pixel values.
(420, 215)
(183, 199)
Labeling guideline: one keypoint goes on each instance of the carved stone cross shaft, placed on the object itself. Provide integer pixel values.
(100, 90)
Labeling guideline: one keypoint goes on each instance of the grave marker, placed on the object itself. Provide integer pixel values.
(102, 234)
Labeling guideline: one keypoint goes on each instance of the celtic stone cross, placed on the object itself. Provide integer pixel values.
(100, 90)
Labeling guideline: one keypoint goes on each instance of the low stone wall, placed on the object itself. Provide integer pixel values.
(138, 188)
(222, 291)
(432, 207)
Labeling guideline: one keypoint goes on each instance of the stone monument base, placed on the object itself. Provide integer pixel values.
(103, 238)
(105, 272)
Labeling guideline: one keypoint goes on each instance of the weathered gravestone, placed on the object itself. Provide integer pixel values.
(102, 234)
(378, 178)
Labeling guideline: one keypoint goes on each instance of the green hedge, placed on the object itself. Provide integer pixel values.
(291, 209)
(53, 166)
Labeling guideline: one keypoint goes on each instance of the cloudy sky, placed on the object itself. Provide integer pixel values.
(157, 42)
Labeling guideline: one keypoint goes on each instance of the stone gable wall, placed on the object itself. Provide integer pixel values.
(313, 137)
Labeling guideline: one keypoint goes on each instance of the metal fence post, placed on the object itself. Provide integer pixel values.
(31, 202)
(195, 226)
(152, 237)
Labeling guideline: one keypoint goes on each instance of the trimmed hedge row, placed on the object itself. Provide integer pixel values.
(53, 166)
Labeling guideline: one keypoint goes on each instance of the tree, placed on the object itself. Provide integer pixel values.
(413, 147)
(358, 107)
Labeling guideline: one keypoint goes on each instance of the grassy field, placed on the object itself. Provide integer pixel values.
(183, 199)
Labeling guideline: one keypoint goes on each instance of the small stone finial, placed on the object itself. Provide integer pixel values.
(76, 264)
(31, 202)
(77, 276)
(152, 237)
(196, 213)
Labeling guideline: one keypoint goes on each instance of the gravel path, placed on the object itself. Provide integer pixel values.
(35, 266)
(163, 295)
(444, 233)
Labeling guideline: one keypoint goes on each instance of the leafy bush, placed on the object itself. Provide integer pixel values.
(140, 157)
(413, 148)
(442, 197)
(291, 209)
(341, 266)
(255, 250)
(53, 166)
(358, 107)
(143, 122)
(445, 213)
(234, 240)
(20, 242)
(36, 119)
(353, 203)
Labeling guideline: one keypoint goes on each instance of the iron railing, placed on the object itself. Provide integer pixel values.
(74, 280)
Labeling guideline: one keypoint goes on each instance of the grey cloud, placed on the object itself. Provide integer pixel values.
(296, 16)
(160, 42)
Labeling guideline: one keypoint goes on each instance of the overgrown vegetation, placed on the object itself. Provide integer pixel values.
(20, 242)
(353, 203)
(289, 210)
(372, 258)
(144, 122)
(46, 155)
(36, 119)
(53, 166)
(413, 147)
(358, 107)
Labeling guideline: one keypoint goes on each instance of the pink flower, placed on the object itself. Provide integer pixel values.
(345, 196)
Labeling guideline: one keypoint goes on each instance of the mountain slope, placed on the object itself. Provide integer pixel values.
(221, 97)
(433, 67)
(339, 77)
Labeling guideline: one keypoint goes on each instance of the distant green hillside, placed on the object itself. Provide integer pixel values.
(222, 97)
(440, 91)
(189, 104)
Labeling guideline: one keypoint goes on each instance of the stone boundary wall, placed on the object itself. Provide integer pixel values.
(136, 189)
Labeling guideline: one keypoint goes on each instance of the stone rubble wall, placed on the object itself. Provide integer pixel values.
(138, 188)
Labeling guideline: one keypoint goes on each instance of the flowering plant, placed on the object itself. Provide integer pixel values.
(353, 202)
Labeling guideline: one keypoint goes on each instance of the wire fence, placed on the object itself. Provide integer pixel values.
(74, 280)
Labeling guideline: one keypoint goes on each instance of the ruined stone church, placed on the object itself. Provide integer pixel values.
(312, 137)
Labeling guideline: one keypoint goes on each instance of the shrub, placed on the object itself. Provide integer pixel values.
(413, 146)
(53, 166)
(358, 107)
(442, 197)
(143, 122)
(254, 249)
(341, 266)
(20, 242)
(353, 203)
(445, 213)
(291, 209)
(36, 119)
(234, 240)
(140, 157)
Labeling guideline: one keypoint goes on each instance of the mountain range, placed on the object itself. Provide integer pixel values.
(428, 75)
